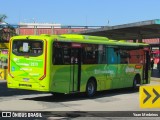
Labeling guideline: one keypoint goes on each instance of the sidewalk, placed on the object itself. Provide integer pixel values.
(155, 75)
(155, 79)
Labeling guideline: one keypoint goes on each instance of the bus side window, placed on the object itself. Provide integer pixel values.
(66, 56)
(90, 54)
(61, 53)
(113, 56)
(58, 56)
(124, 56)
(137, 56)
(101, 54)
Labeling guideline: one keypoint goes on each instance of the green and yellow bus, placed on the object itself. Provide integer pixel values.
(72, 63)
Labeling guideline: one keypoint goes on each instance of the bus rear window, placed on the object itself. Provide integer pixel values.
(26, 47)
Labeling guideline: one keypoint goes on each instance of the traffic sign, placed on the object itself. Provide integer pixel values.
(150, 96)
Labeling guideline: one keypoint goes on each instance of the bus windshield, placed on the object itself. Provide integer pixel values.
(26, 47)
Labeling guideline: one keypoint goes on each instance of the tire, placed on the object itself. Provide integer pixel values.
(91, 88)
(134, 83)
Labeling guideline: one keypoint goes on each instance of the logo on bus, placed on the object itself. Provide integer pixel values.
(103, 71)
(129, 69)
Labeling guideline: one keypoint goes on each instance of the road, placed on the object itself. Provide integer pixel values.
(112, 100)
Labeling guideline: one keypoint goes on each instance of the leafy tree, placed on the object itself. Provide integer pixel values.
(2, 18)
(6, 30)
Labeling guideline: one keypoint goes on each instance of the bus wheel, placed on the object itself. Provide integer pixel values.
(91, 88)
(134, 83)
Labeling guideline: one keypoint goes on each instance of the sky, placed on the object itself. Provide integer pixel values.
(80, 12)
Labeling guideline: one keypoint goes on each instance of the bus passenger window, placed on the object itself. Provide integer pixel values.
(90, 54)
(113, 56)
(136, 56)
(66, 56)
(61, 53)
(101, 54)
(124, 56)
(58, 59)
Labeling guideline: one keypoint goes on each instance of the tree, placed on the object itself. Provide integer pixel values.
(6, 30)
(2, 18)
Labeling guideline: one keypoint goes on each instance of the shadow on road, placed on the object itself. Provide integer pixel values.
(5, 92)
(82, 96)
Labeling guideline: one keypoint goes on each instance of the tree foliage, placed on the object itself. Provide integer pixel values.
(2, 18)
(6, 30)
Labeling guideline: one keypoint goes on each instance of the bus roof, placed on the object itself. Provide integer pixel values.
(83, 39)
(97, 40)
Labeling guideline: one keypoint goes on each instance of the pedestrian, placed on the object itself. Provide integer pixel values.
(152, 64)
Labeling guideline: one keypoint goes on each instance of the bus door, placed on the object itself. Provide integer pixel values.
(75, 71)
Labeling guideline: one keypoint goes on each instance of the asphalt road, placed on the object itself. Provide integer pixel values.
(112, 100)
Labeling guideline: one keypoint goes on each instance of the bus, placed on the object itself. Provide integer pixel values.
(72, 63)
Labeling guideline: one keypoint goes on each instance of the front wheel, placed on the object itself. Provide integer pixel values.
(91, 88)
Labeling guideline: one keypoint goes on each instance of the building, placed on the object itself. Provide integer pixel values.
(46, 28)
